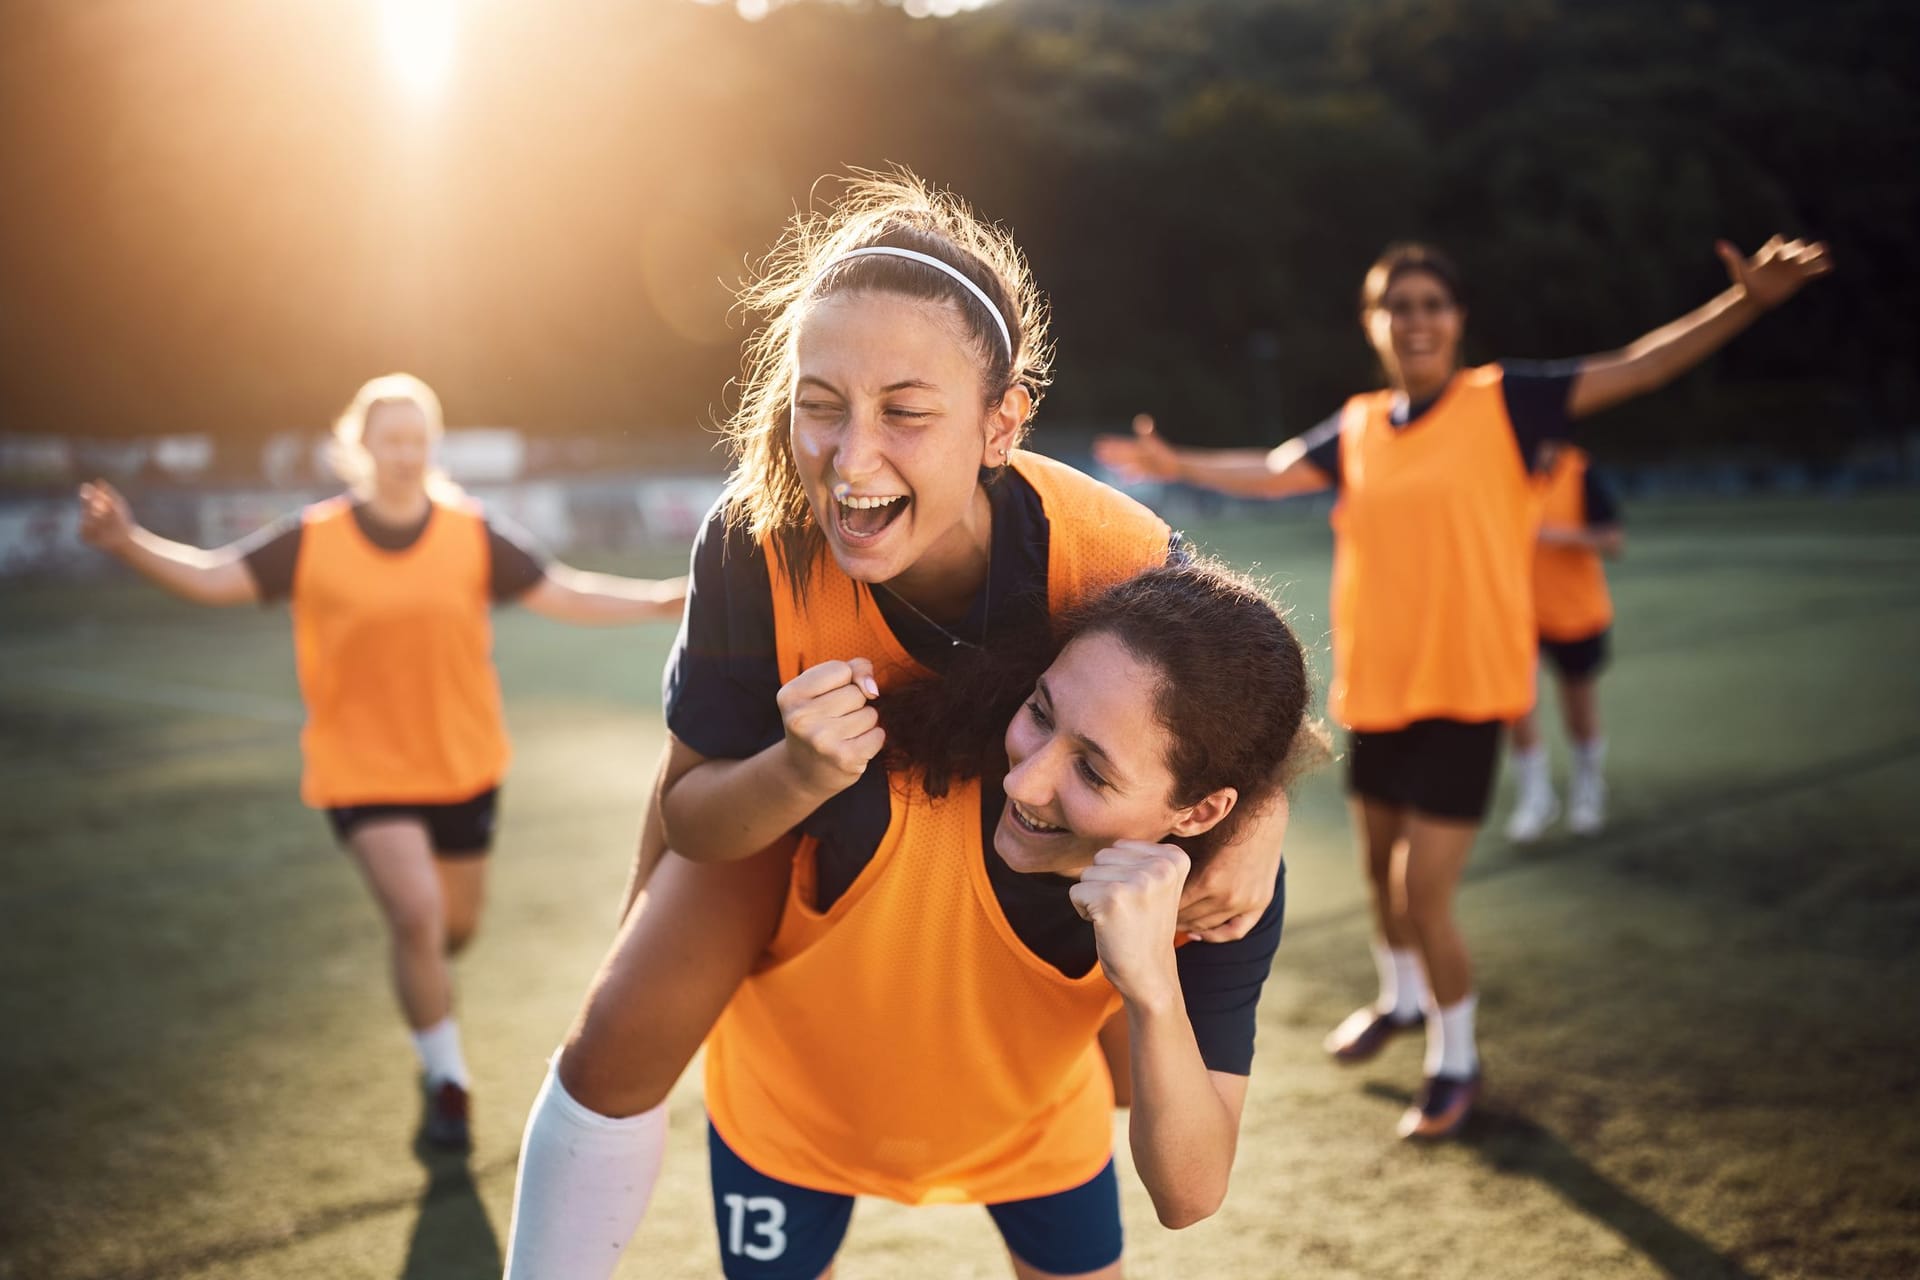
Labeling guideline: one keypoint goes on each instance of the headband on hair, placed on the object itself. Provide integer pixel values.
(931, 261)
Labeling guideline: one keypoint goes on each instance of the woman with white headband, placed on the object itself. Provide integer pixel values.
(881, 526)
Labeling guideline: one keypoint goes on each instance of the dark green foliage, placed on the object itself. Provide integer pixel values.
(227, 237)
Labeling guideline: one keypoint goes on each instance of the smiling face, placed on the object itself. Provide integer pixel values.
(889, 430)
(1087, 763)
(1415, 330)
(399, 439)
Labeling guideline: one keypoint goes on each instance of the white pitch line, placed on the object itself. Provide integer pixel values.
(165, 693)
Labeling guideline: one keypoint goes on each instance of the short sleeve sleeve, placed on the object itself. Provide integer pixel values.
(1536, 392)
(1322, 443)
(271, 554)
(516, 563)
(1221, 984)
(1601, 508)
(723, 672)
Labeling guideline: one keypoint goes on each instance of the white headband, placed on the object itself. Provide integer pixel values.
(930, 260)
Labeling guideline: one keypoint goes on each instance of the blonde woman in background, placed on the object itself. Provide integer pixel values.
(404, 745)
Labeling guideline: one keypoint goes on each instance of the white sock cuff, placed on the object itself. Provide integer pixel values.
(578, 1114)
(438, 1048)
(1382, 959)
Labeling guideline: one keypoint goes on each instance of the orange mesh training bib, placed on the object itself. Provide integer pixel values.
(819, 1073)
(394, 651)
(1570, 599)
(1433, 562)
(827, 1072)
(1097, 537)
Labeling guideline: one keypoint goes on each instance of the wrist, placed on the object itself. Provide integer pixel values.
(1745, 303)
(814, 781)
(1156, 1000)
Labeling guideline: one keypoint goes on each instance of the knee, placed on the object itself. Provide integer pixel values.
(1426, 903)
(418, 926)
(459, 933)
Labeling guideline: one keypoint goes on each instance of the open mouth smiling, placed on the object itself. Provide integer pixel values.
(863, 517)
(1024, 819)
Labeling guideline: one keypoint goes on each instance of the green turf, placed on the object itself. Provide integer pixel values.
(1699, 1028)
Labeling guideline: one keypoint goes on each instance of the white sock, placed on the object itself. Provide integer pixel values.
(1590, 755)
(440, 1056)
(1451, 1050)
(1531, 768)
(1403, 987)
(585, 1182)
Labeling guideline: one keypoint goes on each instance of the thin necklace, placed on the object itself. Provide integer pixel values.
(986, 610)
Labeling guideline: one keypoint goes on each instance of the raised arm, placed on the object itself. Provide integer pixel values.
(218, 577)
(725, 810)
(1184, 1125)
(1280, 472)
(586, 599)
(1758, 284)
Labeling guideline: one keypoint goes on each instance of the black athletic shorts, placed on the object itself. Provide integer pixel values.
(464, 829)
(1442, 768)
(1577, 659)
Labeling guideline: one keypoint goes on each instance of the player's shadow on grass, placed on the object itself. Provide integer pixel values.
(453, 1238)
(1514, 1144)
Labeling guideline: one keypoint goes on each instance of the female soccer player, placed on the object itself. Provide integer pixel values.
(924, 1026)
(1580, 523)
(404, 744)
(1433, 628)
(880, 507)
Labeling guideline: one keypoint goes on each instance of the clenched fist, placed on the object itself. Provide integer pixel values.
(832, 728)
(1131, 894)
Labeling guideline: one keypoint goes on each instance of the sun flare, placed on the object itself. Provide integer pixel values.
(418, 36)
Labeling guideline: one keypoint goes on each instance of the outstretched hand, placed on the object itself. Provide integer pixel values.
(1778, 271)
(1141, 456)
(106, 521)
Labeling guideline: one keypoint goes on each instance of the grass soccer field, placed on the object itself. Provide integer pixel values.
(1699, 1028)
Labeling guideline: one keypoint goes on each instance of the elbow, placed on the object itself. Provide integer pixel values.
(673, 826)
(1188, 1206)
(683, 833)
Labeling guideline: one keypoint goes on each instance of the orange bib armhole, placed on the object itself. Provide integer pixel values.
(1571, 601)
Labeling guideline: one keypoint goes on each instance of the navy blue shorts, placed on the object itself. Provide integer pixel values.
(464, 829)
(773, 1230)
(1579, 659)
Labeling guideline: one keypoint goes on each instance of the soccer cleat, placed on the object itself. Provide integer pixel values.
(1533, 813)
(1365, 1032)
(1587, 804)
(1441, 1108)
(444, 1124)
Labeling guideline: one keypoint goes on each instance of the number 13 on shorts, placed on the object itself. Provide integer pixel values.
(762, 1217)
